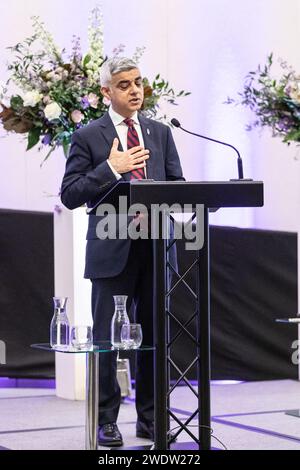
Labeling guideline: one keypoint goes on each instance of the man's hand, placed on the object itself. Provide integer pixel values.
(130, 160)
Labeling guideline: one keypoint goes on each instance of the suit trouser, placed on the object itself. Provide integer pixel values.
(135, 281)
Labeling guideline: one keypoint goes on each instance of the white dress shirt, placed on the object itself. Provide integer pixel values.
(122, 129)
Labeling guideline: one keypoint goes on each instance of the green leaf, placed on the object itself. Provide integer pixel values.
(66, 148)
(16, 102)
(270, 58)
(33, 137)
(293, 135)
(38, 124)
(86, 60)
(48, 155)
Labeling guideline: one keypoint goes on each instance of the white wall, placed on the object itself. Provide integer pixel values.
(205, 46)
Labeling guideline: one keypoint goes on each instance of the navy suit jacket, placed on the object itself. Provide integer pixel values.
(88, 175)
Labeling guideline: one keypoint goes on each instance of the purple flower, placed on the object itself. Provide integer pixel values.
(118, 50)
(85, 102)
(57, 209)
(76, 49)
(284, 124)
(46, 139)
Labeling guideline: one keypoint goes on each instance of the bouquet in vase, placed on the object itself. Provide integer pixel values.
(60, 94)
(274, 100)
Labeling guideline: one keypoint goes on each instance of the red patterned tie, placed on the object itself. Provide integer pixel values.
(133, 141)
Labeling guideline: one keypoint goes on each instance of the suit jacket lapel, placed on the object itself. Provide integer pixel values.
(108, 130)
(147, 131)
(109, 133)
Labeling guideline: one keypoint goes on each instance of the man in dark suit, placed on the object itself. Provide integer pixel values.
(121, 144)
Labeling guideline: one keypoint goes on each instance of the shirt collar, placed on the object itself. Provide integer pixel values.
(117, 119)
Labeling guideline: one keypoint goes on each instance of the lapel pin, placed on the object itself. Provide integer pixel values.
(148, 131)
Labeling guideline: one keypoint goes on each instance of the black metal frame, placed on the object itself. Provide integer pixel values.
(213, 194)
(163, 341)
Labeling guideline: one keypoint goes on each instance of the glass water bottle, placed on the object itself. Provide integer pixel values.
(119, 319)
(60, 327)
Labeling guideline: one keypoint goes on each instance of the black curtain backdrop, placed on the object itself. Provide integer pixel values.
(26, 291)
(253, 282)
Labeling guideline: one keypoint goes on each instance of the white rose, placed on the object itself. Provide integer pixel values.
(52, 111)
(32, 98)
(56, 78)
(293, 90)
(295, 93)
(50, 75)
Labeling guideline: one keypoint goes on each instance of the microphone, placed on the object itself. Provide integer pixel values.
(176, 123)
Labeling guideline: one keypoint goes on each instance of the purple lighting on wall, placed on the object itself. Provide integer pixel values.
(7, 382)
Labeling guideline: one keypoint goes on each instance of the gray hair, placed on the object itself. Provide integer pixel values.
(115, 65)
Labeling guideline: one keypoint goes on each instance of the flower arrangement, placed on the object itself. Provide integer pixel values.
(59, 95)
(276, 102)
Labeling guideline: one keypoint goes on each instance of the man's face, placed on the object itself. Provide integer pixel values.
(126, 92)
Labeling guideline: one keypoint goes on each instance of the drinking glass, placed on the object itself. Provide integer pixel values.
(81, 337)
(131, 335)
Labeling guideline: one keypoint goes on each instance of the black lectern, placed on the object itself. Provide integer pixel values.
(211, 196)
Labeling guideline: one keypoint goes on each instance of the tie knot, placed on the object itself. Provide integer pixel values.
(129, 122)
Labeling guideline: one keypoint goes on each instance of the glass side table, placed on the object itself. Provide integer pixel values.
(291, 321)
(92, 382)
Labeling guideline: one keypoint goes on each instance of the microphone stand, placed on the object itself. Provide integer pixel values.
(239, 159)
